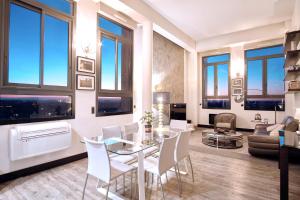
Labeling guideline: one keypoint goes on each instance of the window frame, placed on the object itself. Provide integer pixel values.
(126, 91)
(204, 81)
(38, 89)
(264, 59)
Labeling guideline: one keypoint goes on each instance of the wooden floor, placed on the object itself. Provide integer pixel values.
(217, 177)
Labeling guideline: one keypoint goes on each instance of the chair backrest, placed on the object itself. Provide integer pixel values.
(111, 131)
(98, 160)
(178, 124)
(130, 130)
(166, 155)
(182, 145)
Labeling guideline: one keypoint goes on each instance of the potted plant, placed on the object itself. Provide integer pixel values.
(147, 120)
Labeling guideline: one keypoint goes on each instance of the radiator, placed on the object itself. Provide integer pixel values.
(27, 141)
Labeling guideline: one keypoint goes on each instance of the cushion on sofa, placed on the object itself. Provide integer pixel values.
(275, 131)
(223, 125)
(292, 126)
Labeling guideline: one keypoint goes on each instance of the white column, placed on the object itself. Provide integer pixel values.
(137, 73)
(147, 56)
(192, 86)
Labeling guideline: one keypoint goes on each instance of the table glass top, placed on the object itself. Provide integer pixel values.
(136, 143)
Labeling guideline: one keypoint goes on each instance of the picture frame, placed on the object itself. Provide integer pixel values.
(85, 82)
(237, 91)
(86, 65)
(237, 82)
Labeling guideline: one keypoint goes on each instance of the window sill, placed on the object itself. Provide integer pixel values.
(112, 114)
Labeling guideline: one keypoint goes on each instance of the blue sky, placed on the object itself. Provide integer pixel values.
(24, 48)
(108, 56)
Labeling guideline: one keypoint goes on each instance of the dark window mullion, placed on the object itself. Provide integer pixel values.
(264, 82)
(116, 64)
(216, 80)
(41, 84)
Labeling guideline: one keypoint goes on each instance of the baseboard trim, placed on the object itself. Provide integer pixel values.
(238, 129)
(41, 167)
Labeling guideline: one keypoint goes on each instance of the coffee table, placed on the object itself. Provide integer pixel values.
(222, 140)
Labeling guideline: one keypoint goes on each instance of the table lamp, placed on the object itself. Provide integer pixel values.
(161, 98)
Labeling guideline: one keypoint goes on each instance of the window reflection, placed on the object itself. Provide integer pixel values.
(113, 105)
(34, 107)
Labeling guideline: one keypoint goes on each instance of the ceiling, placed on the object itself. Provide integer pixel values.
(202, 19)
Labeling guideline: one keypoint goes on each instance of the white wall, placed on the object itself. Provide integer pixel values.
(244, 117)
(85, 123)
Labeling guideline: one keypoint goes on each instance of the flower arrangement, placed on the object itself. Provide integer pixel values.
(147, 119)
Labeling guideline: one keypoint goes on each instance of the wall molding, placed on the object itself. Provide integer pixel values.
(41, 167)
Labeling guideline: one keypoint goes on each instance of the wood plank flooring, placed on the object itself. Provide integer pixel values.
(217, 177)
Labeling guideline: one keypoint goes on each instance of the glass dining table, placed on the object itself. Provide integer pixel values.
(136, 145)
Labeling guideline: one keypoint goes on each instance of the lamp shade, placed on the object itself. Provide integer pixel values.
(297, 114)
(161, 97)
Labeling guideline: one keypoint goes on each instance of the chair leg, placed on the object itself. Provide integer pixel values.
(189, 157)
(116, 184)
(179, 175)
(161, 187)
(106, 196)
(131, 188)
(167, 176)
(178, 182)
(86, 179)
(123, 183)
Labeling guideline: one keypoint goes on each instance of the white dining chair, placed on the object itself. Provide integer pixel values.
(112, 131)
(133, 128)
(101, 167)
(165, 161)
(116, 132)
(178, 125)
(182, 152)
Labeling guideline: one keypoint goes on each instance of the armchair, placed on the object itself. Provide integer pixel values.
(225, 121)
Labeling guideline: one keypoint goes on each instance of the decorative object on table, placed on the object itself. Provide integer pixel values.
(85, 82)
(257, 117)
(161, 98)
(293, 68)
(294, 85)
(237, 82)
(85, 65)
(147, 119)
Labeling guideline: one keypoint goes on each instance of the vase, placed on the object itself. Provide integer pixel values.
(148, 128)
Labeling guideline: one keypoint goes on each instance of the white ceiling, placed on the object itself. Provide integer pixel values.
(208, 18)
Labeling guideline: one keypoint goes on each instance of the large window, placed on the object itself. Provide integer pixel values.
(114, 80)
(264, 78)
(216, 84)
(38, 62)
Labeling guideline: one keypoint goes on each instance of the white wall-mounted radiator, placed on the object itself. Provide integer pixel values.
(32, 140)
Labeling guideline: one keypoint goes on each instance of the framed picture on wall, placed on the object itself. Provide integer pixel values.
(237, 82)
(85, 82)
(85, 65)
